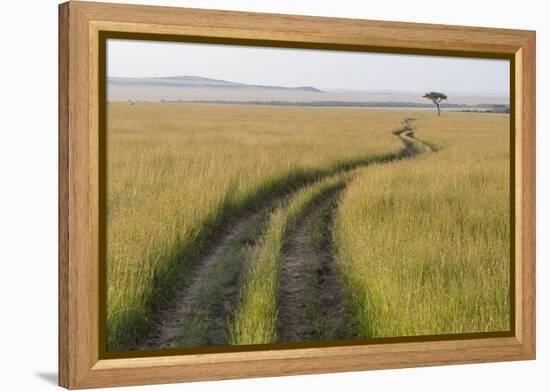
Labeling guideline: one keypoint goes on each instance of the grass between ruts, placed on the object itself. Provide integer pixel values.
(255, 319)
(178, 173)
(320, 325)
(208, 320)
(424, 247)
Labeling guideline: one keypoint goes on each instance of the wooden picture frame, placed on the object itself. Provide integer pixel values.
(81, 364)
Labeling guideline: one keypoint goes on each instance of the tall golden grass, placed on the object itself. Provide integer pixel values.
(177, 172)
(424, 247)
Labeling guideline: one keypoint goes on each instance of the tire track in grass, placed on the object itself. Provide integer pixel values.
(256, 316)
(202, 309)
(311, 307)
(291, 292)
(196, 315)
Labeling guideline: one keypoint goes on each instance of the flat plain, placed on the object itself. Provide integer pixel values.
(243, 224)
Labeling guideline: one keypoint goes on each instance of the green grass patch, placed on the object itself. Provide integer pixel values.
(255, 320)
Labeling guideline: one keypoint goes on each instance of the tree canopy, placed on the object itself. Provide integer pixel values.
(436, 98)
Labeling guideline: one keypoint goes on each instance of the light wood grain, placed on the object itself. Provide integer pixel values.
(80, 365)
(64, 353)
(525, 120)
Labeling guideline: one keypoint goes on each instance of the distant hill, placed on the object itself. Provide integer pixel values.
(198, 82)
(195, 88)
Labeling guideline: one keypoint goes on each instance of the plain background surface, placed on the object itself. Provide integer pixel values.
(28, 195)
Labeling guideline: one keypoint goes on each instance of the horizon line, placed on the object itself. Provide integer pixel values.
(323, 89)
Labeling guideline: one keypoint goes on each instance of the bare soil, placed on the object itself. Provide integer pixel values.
(310, 297)
(170, 318)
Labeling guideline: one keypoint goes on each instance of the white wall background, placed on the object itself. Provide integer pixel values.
(28, 194)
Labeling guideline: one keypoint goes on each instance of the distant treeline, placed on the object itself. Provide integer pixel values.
(480, 107)
(497, 108)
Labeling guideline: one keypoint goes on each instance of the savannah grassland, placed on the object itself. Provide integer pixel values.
(420, 245)
(424, 246)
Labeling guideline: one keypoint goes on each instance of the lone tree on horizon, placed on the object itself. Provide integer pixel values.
(436, 98)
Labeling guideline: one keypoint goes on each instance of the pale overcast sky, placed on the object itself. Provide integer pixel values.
(300, 67)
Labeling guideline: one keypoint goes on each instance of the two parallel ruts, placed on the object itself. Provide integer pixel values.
(310, 303)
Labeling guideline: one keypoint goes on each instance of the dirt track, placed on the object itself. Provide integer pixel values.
(310, 300)
(171, 318)
(191, 320)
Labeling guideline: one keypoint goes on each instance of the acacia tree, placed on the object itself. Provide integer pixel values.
(436, 98)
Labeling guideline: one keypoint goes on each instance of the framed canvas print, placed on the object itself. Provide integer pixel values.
(247, 195)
